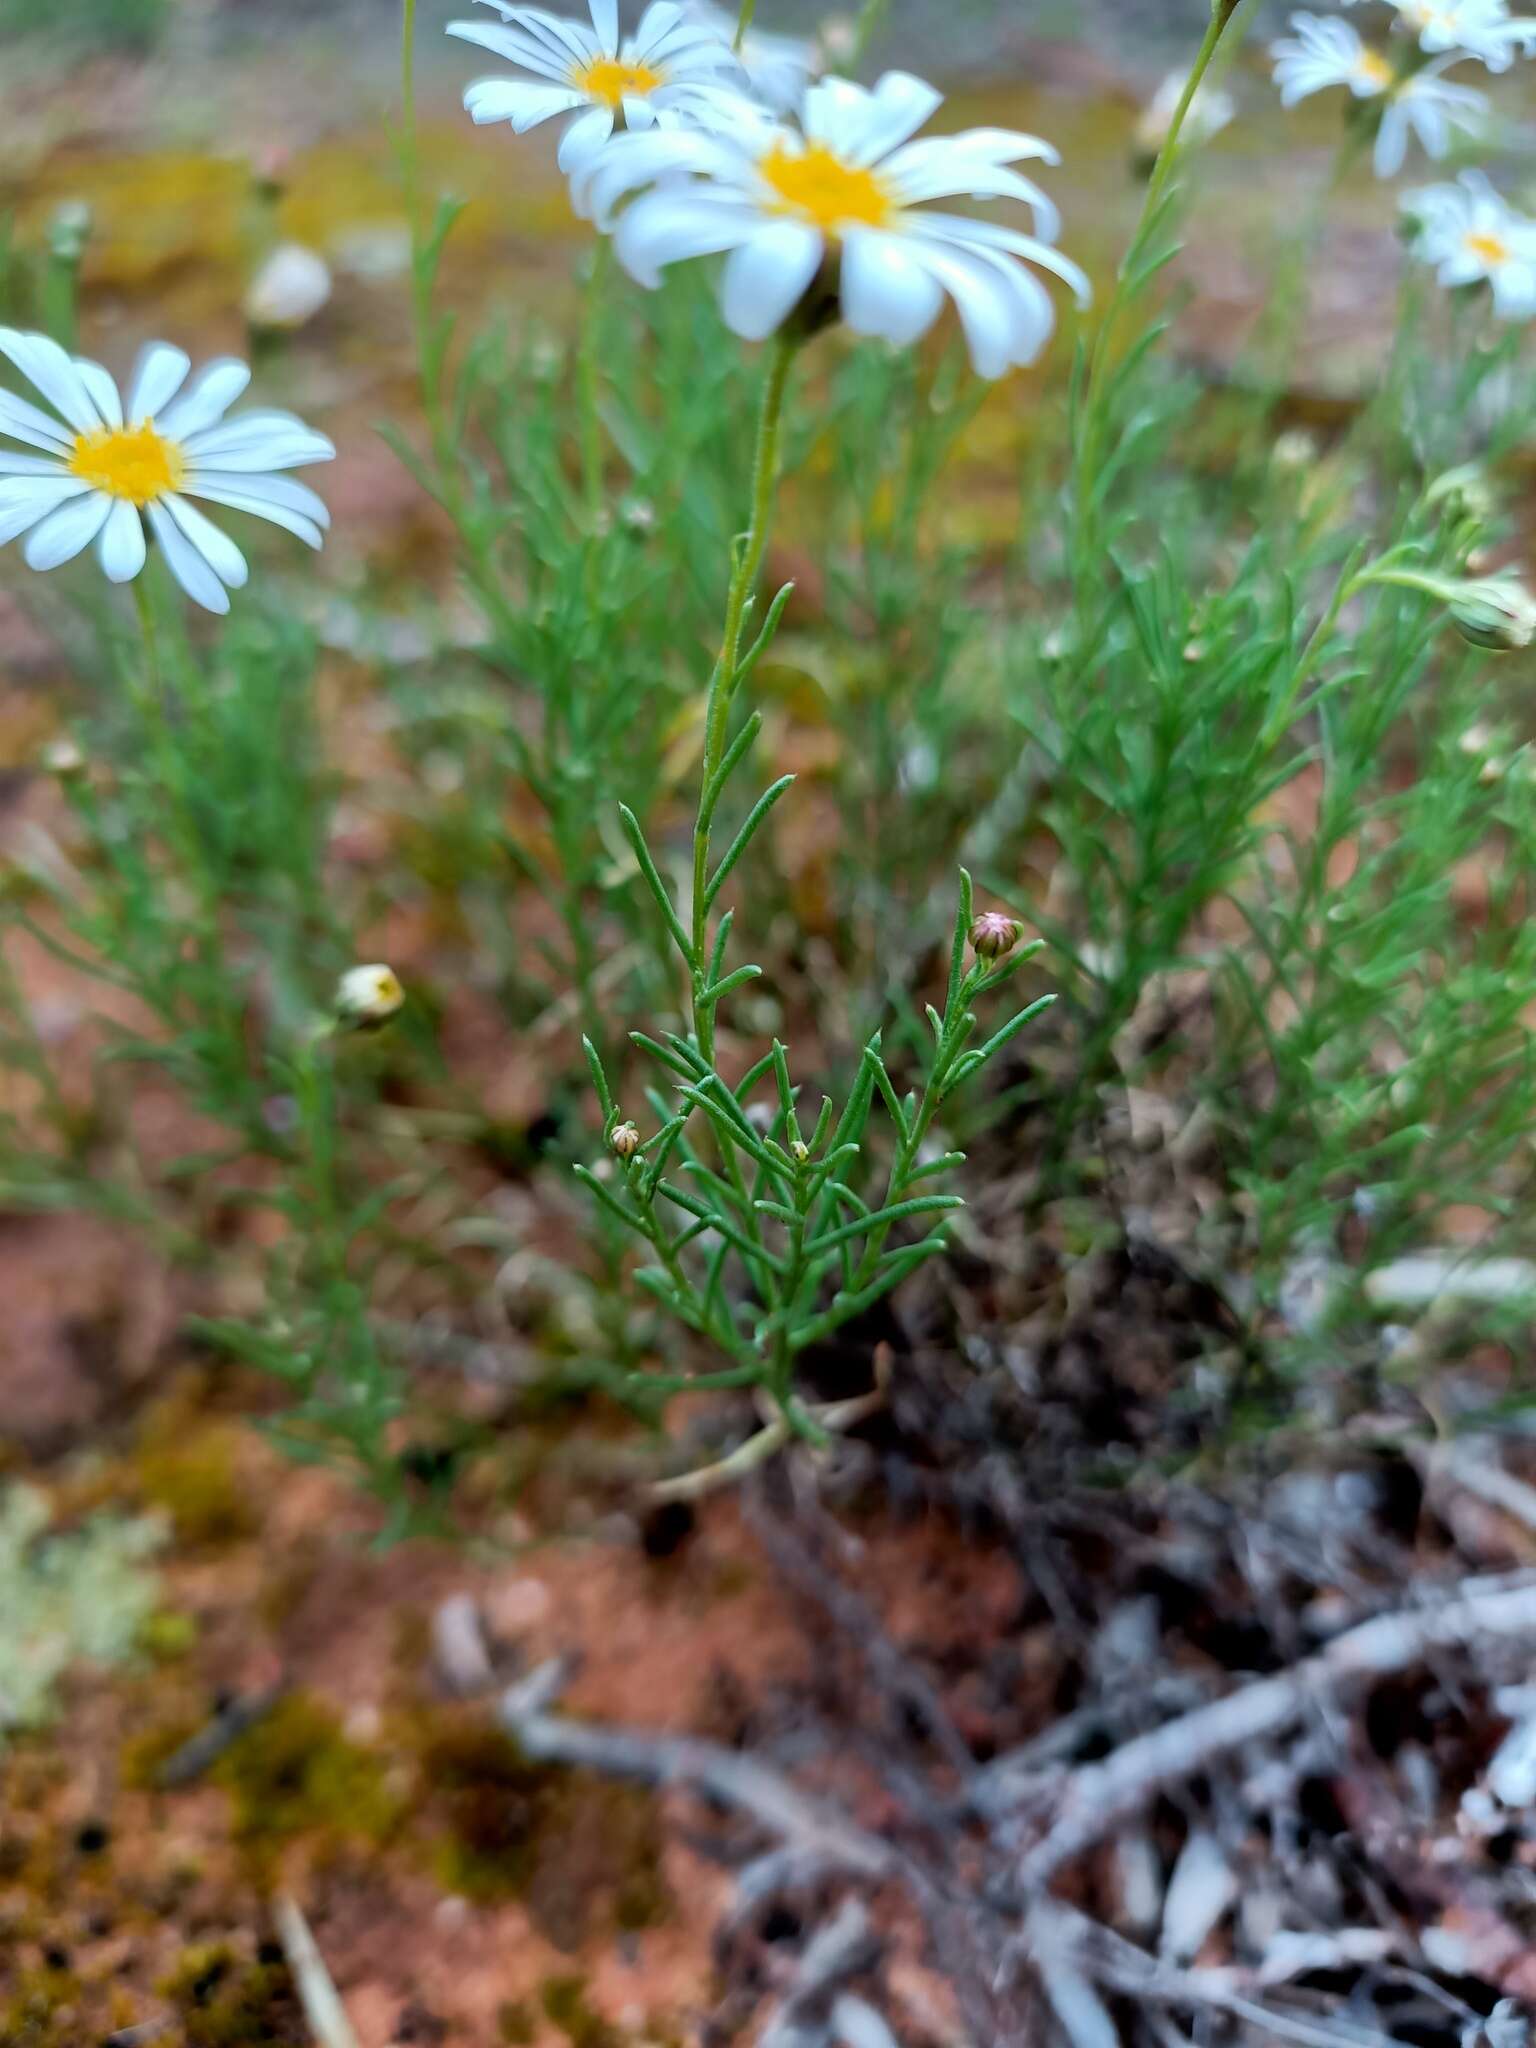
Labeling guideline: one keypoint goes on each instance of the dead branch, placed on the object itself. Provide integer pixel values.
(1099, 1796)
(722, 1774)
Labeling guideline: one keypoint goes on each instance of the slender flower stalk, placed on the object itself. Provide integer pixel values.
(722, 687)
(1094, 416)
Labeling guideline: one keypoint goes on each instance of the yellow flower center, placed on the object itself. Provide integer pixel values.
(816, 186)
(1487, 248)
(609, 79)
(1375, 69)
(135, 463)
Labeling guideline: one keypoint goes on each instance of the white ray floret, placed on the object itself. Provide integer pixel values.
(646, 79)
(1484, 29)
(1323, 52)
(1474, 236)
(842, 198)
(104, 465)
(778, 68)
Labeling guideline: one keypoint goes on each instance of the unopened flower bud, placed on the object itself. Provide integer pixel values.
(1497, 612)
(290, 288)
(800, 1152)
(366, 996)
(1465, 492)
(625, 1140)
(993, 935)
(62, 757)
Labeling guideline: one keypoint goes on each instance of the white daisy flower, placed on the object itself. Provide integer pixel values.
(1324, 52)
(1473, 236)
(110, 464)
(1476, 28)
(778, 68)
(841, 197)
(590, 72)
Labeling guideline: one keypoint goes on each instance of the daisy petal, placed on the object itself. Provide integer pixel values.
(216, 548)
(516, 100)
(292, 521)
(157, 377)
(258, 440)
(285, 491)
(185, 563)
(668, 226)
(61, 536)
(583, 138)
(27, 500)
(886, 288)
(20, 421)
(206, 399)
(30, 465)
(45, 366)
(121, 547)
(605, 22)
(533, 53)
(766, 277)
(103, 389)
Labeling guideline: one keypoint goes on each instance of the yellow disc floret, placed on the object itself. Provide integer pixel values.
(135, 463)
(815, 185)
(1490, 250)
(609, 79)
(1375, 70)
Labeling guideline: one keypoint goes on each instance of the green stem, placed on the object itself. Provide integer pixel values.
(1094, 419)
(765, 469)
(589, 387)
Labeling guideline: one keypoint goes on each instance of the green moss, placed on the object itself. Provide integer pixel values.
(197, 1481)
(575, 1848)
(564, 2000)
(225, 2000)
(295, 1773)
(41, 2012)
(143, 1756)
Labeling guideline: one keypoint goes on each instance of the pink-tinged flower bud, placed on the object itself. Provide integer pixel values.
(625, 1140)
(993, 935)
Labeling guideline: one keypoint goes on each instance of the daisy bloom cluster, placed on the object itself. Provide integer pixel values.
(1471, 235)
(817, 194)
(605, 80)
(106, 466)
(1323, 52)
(833, 209)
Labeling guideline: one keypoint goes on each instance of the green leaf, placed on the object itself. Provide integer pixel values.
(745, 836)
(658, 887)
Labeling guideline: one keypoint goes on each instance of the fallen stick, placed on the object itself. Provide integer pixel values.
(324, 2012)
(1099, 1796)
(663, 1760)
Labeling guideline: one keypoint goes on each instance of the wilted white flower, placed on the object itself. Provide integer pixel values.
(110, 464)
(592, 72)
(1211, 110)
(1324, 52)
(778, 68)
(289, 288)
(368, 995)
(1473, 236)
(840, 199)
